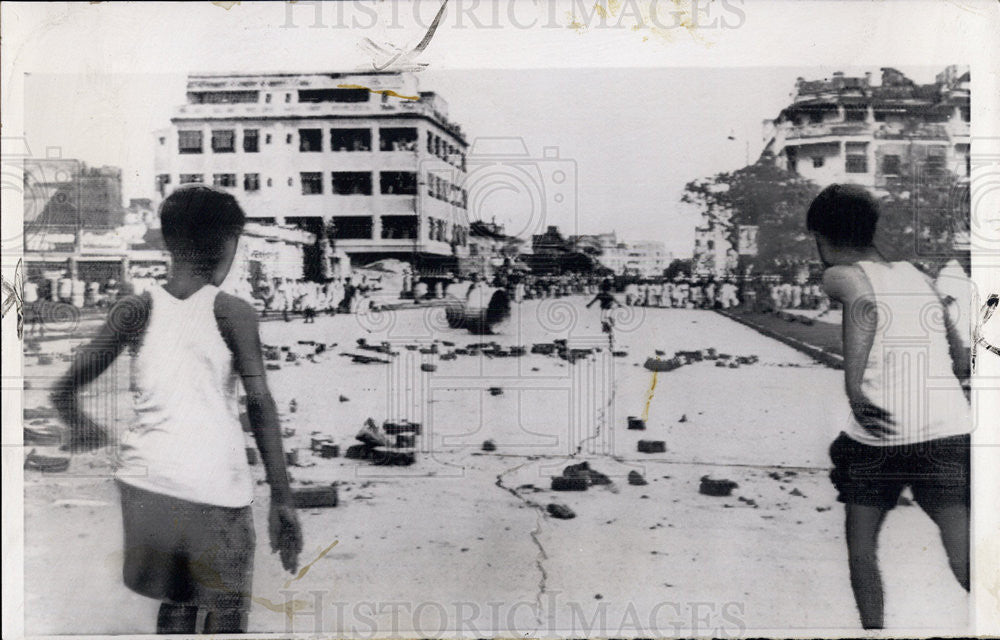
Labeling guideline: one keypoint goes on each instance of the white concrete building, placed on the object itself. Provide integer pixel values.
(366, 158)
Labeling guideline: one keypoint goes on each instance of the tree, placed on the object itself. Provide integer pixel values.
(765, 195)
(924, 212)
(677, 267)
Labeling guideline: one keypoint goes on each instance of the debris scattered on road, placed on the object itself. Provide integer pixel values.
(652, 446)
(560, 511)
(636, 424)
(635, 479)
(489, 445)
(718, 488)
(315, 497)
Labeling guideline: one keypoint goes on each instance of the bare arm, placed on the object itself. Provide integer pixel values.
(124, 326)
(850, 286)
(238, 324)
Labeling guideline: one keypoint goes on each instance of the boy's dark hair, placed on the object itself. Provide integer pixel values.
(196, 220)
(844, 214)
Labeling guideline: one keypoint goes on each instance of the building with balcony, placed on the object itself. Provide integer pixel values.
(365, 160)
(849, 129)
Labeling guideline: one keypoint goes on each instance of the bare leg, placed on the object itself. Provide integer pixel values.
(226, 621)
(863, 524)
(953, 522)
(176, 618)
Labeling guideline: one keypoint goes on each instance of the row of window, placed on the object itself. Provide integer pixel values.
(856, 160)
(860, 114)
(398, 227)
(446, 151)
(311, 140)
(343, 183)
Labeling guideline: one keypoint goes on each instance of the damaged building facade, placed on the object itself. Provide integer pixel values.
(848, 129)
(854, 129)
(366, 163)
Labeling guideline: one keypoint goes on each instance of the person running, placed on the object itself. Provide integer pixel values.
(608, 303)
(183, 476)
(896, 436)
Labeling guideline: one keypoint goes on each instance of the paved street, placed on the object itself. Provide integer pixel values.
(427, 548)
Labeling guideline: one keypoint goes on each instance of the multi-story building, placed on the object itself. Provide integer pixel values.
(645, 259)
(364, 159)
(848, 129)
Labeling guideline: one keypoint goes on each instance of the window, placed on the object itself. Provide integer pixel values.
(856, 164)
(267, 138)
(163, 140)
(399, 227)
(333, 95)
(936, 158)
(857, 157)
(270, 182)
(223, 97)
(187, 178)
(251, 182)
(267, 98)
(816, 116)
(189, 141)
(817, 161)
(223, 141)
(288, 139)
(399, 183)
(312, 183)
(251, 140)
(430, 142)
(310, 140)
(350, 140)
(224, 179)
(288, 97)
(431, 228)
(352, 227)
(890, 165)
(162, 181)
(349, 183)
(855, 114)
(397, 139)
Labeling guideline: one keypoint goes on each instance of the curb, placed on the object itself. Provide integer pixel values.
(831, 360)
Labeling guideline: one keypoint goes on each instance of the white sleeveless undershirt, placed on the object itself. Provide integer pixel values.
(909, 369)
(186, 440)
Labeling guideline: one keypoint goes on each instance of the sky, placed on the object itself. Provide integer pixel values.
(633, 137)
(98, 82)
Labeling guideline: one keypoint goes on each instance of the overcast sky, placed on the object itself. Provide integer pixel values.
(635, 135)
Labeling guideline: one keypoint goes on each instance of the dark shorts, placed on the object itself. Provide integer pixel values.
(937, 471)
(187, 552)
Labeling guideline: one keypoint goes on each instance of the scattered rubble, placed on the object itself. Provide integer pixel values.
(315, 497)
(583, 470)
(635, 479)
(560, 511)
(718, 488)
(652, 446)
(636, 424)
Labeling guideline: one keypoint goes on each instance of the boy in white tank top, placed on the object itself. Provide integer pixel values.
(910, 417)
(183, 471)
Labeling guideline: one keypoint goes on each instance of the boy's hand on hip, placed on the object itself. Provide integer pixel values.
(875, 420)
(286, 535)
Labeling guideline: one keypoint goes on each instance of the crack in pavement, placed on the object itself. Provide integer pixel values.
(602, 414)
(542, 555)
